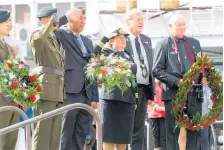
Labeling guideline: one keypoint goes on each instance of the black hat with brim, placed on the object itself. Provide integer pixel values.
(118, 32)
(4, 15)
(46, 11)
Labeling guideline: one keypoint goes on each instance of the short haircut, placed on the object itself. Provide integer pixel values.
(175, 17)
(130, 13)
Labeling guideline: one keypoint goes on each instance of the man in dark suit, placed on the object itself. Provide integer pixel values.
(77, 50)
(172, 59)
(139, 46)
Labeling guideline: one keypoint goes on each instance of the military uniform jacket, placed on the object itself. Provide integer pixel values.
(5, 52)
(116, 94)
(49, 53)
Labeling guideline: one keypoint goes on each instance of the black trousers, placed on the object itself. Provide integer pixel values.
(172, 131)
(75, 123)
(139, 122)
(159, 132)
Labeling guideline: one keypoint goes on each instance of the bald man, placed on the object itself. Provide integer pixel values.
(77, 48)
(173, 57)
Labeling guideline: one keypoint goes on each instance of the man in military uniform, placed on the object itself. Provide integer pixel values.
(49, 56)
(8, 141)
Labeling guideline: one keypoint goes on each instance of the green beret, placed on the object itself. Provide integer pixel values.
(4, 15)
(46, 11)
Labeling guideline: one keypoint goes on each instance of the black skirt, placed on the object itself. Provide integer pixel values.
(117, 121)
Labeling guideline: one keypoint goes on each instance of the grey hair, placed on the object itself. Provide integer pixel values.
(175, 17)
(130, 13)
(69, 12)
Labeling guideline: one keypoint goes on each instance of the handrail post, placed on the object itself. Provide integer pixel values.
(24, 116)
(57, 112)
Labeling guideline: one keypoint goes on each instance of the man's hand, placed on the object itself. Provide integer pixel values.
(94, 105)
(25, 106)
(178, 82)
(55, 21)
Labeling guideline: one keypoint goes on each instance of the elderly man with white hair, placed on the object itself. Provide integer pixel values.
(78, 48)
(139, 46)
(173, 57)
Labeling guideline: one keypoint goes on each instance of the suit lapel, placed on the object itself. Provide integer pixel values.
(128, 47)
(171, 43)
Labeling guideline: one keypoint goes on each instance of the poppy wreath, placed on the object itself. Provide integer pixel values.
(110, 71)
(214, 78)
(18, 83)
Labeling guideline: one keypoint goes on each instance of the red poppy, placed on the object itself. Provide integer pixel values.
(32, 78)
(174, 47)
(32, 98)
(38, 88)
(104, 72)
(9, 65)
(191, 128)
(14, 85)
(144, 41)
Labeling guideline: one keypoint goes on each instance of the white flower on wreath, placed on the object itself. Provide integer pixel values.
(15, 61)
(30, 73)
(8, 61)
(25, 95)
(113, 61)
(100, 76)
(111, 72)
(21, 66)
(93, 64)
(118, 70)
(5, 80)
(24, 84)
(11, 76)
(37, 97)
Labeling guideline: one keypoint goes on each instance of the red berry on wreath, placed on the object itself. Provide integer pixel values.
(38, 88)
(14, 85)
(9, 65)
(215, 99)
(32, 78)
(191, 128)
(32, 98)
(215, 118)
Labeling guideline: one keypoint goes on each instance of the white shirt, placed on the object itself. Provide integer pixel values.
(139, 77)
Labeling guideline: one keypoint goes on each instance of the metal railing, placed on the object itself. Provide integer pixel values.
(57, 112)
(24, 116)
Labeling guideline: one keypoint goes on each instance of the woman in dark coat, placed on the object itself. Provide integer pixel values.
(117, 111)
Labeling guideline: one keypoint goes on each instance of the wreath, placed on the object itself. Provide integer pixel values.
(110, 71)
(18, 83)
(214, 78)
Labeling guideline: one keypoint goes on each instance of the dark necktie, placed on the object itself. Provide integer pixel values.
(185, 57)
(138, 48)
(82, 46)
(141, 58)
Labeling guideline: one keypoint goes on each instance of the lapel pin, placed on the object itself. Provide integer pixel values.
(174, 47)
